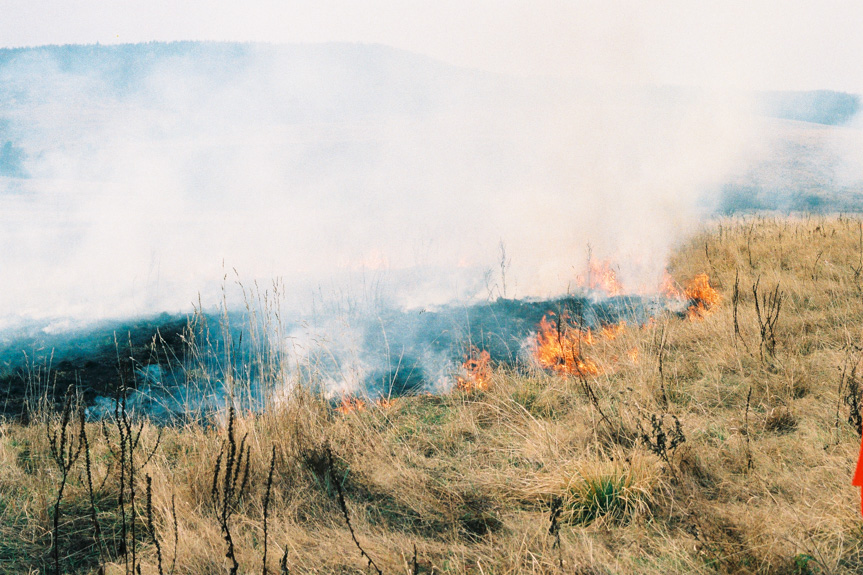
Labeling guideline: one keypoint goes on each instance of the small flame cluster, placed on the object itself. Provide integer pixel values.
(477, 366)
(559, 345)
(353, 404)
(702, 297)
(602, 277)
(559, 348)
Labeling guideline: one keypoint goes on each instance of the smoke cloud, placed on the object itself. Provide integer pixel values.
(135, 179)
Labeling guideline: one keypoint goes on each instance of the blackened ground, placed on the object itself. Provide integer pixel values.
(411, 346)
(409, 351)
(95, 361)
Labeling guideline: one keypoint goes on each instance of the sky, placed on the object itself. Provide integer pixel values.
(751, 44)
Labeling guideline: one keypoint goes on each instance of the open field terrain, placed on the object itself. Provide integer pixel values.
(720, 440)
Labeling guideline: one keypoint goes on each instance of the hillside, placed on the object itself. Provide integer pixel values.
(722, 441)
(811, 168)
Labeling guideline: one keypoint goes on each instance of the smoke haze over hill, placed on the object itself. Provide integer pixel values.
(135, 177)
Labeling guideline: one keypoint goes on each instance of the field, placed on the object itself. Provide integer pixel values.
(718, 441)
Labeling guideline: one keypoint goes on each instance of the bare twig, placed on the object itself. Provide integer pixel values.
(767, 310)
(344, 508)
(267, 507)
(228, 487)
(746, 430)
(64, 453)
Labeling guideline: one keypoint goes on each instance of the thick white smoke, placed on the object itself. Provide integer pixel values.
(335, 165)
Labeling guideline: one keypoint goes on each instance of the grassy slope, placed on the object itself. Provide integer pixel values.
(807, 169)
(471, 478)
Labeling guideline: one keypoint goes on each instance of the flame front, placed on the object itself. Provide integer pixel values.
(559, 347)
(702, 297)
(478, 368)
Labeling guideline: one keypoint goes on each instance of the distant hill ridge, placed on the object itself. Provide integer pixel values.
(60, 95)
(818, 106)
(372, 68)
(371, 76)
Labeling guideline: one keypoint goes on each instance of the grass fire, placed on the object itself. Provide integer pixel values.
(620, 433)
(475, 288)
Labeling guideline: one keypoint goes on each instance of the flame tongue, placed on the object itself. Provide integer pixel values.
(602, 277)
(351, 404)
(702, 297)
(478, 368)
(611, 331)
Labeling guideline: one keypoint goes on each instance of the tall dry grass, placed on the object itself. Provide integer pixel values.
(734, 457)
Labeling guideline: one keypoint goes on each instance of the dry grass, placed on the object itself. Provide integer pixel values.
(761, 483)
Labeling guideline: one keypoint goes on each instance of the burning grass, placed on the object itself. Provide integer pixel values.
(477, 366)
(602, 277)
(351, 404)
(559, 348)
(550, 470)
(703, 299)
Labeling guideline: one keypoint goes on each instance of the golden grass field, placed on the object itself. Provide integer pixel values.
(538, 473)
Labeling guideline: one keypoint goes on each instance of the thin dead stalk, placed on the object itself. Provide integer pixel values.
(735, 302)
(267, 507)
(746, 431)
(344, 507)
(554, 528)
(64, 453)
(150, 526)
(663, 339)
(229, 484)
(767, 308)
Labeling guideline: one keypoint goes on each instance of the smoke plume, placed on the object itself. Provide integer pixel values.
(135, 178)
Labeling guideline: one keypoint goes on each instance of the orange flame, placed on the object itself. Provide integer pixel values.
(559, 347)
(611, 331)
(477, 364)
(385, 402)
(351, 404)
(602, 277)
(633, 355)
(702, 297)
(670, 287)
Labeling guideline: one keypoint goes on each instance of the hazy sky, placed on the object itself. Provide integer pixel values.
(759, 44)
